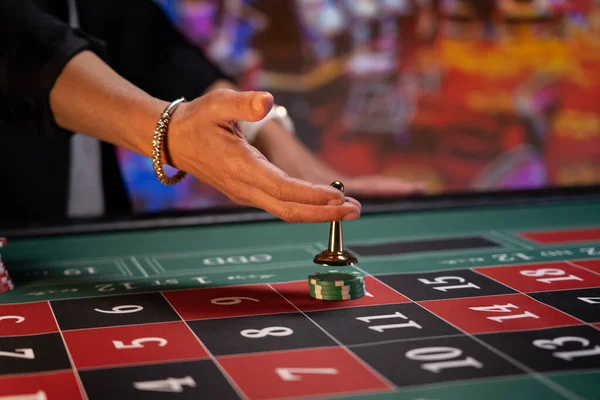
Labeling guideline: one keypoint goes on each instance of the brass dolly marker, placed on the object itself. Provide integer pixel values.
(335, 255)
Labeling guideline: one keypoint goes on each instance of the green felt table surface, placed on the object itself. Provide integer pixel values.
(274, 251)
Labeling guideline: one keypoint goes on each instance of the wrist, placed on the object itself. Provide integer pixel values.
(160, 153)
(144, 114)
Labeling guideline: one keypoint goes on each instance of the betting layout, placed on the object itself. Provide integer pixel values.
(496, 314)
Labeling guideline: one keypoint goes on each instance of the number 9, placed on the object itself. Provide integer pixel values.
(128, 309)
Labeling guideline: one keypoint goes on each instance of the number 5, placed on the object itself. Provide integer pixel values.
(138, 343)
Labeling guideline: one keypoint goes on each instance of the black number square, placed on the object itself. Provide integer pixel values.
(181, 381)
(113, 311)
(568, 348)
(442, 285)
(427, 361)
(580, 303)
(32, 353)
(358, 325)
(259, 333)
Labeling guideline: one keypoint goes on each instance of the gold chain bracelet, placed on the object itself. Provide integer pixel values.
(157, 144)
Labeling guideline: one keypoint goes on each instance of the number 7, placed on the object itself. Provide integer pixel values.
(287, 374)
(19, 353)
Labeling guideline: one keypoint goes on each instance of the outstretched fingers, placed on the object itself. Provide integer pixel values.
(279, 185)
(297, 212)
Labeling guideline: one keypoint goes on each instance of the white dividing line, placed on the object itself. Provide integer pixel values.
(358, 359)
(574, 264)
(149, 263)
(124, 267)
(229, 378)
(141, 364)
(73, 366)
(415, 339)
(549, 383)
(119, 266)
(138, 266)
(286, 351)
(158, 265)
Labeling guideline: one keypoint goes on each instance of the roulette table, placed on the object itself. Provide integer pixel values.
(491, 301)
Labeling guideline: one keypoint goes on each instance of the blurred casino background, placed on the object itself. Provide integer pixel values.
(466, 95)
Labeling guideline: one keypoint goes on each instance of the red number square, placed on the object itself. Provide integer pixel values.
(315, 372)
(45, 386)
(377, 293)
(593, 265)
(226, 302)
(564, 236)
(542, 277)
(26, 319)
(511, 312)
(133, 344)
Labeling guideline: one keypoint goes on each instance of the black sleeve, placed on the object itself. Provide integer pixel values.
(146, 49)
(34, 48)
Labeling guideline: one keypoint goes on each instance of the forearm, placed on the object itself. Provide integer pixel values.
(291, 155)
(91, 98)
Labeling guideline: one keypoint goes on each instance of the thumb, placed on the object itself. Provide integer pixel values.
(230, 105)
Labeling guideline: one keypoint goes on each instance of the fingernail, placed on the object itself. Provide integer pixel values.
(351, 217)
(335, 202)
(263, 102)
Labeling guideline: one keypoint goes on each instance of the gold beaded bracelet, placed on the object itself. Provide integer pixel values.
(157, 144)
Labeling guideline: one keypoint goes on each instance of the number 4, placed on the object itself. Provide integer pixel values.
(287, 374)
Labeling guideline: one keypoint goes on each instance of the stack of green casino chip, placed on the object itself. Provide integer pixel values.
(335, 285)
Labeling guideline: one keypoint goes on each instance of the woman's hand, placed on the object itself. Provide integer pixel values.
(204, 140)
(90, 97)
